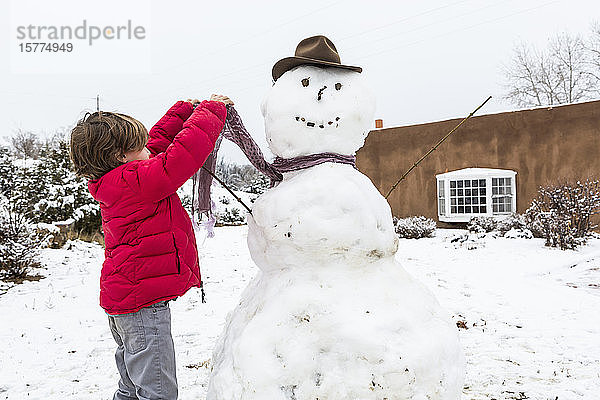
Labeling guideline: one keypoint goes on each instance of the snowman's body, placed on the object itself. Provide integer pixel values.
(331, 315)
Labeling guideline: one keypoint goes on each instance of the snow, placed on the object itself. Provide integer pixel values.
(51, 228)
(535, 309)
(536, 330)
(477, 173)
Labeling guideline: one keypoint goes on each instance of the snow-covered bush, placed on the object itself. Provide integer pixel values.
(230, 216)
(414, 227)
(244, 178)
(513, 221)
(482, 224)
(518, 233)
(64, 195)
(47, 189)
(20, 243)
(563, 213)
(511, 226)
(7, 170)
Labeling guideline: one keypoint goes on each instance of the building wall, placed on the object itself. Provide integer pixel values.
(544, 146)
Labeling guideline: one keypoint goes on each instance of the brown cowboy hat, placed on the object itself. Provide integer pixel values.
(316, 50)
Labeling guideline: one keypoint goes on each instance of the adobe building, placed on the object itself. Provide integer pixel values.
(492, 165)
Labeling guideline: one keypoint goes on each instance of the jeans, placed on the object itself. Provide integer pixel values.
(145, 354)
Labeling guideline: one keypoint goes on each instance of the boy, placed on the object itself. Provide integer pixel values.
(151, 255)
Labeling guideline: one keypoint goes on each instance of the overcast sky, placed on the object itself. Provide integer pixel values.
(425, 60)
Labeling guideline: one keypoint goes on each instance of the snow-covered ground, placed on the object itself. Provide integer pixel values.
(532, 315)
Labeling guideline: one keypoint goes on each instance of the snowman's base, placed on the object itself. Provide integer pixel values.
(309, 334)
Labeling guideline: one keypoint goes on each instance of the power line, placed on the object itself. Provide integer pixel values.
(438, 22)
(402, 20)
(458, 30)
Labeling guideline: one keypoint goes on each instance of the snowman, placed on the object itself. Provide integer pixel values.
(331, 314)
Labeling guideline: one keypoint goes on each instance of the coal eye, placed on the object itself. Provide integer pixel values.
(338, 86)
(305, 82)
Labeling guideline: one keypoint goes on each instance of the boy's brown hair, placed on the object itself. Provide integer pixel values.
(99, 138)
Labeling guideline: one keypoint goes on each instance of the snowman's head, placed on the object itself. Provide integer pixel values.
(315, 110)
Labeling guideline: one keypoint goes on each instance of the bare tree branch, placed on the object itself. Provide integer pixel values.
(562, 73)
(593, 47)
(25, 144)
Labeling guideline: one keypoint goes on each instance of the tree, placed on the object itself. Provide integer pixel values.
(593, 47)
(25, 144)
(242, 177)
(563, 213)
(560, 74)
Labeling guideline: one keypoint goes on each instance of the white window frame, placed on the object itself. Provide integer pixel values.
(441, 195)
(503, 191)
(471, 174)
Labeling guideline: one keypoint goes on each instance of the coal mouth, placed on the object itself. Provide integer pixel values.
(321, 125)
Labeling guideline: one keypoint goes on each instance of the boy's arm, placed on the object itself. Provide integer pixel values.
(164, 131)
(161, 176)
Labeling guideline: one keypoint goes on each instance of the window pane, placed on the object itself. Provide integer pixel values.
(469, 196)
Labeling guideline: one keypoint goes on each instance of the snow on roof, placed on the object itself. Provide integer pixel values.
(477, 172)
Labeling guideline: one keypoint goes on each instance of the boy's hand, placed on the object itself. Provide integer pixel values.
(194, 102)
(223, 99)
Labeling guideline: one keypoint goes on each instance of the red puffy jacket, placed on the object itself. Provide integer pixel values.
(151, 252)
